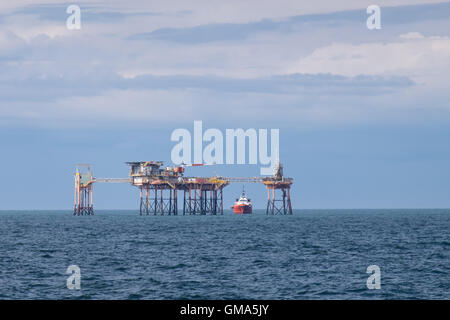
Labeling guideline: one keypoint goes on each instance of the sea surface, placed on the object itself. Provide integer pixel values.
(313, 254)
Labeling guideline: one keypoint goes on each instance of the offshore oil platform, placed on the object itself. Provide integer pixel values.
(159, 188)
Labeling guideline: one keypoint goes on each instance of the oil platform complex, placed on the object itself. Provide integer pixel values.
(159, 189)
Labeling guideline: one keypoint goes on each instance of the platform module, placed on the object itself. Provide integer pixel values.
(84, 190)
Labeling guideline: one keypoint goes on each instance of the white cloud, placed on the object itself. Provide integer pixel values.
(219, 11)
(412, 35)
(80, 84)
(424, 59)
(10, 44)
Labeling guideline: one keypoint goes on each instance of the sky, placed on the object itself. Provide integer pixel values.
(363, 114)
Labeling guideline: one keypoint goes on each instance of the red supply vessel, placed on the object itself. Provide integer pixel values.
(242, 205)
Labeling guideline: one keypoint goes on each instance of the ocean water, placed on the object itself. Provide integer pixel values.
(313, 254)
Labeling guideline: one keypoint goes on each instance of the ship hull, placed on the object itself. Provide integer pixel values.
(242, 209)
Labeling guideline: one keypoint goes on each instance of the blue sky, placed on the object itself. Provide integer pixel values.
(363, 114)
